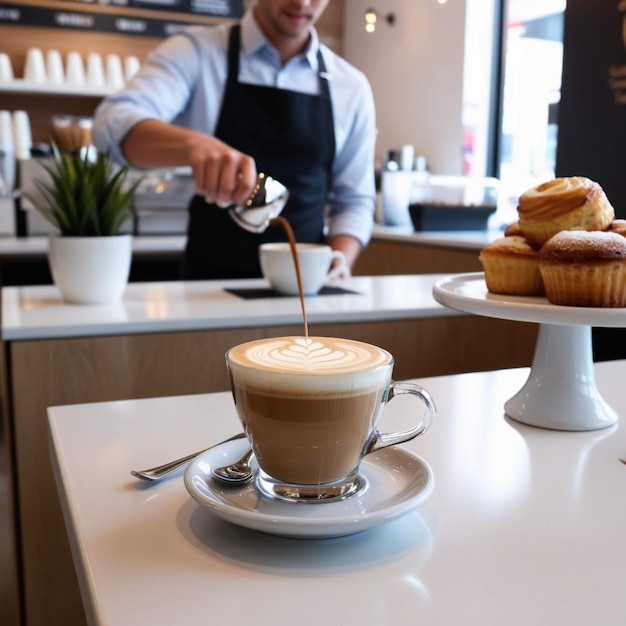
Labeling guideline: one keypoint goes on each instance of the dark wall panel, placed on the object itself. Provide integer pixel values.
(592, 116)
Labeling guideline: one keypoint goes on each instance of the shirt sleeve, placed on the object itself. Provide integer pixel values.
(353, 195)
(162, 90)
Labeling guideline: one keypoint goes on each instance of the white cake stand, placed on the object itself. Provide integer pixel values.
(561, 391)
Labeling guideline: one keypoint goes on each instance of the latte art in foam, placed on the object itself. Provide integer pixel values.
(313, 354)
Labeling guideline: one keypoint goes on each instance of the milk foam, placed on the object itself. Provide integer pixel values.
(323, 366)
(315, 354)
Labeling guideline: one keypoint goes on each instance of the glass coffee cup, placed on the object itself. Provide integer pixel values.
(310, 408)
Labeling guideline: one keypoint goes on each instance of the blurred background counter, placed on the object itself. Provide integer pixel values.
(392, 250)
(401, 250)
(169, 338)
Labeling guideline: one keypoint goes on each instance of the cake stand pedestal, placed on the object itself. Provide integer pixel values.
(561, 391)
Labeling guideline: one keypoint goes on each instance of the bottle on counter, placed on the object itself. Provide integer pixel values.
(421, 190)
(395, 189)
(407, 157)
(393, 160)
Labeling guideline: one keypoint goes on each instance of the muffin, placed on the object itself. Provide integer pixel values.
(567, 203)
(581, 268)
(512, 267)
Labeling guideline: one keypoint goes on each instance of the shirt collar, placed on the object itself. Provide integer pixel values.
(253, 40)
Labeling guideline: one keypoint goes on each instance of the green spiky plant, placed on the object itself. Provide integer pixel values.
(86, 195)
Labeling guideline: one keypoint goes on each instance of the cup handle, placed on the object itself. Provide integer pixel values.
(384, 440)
(341, 268)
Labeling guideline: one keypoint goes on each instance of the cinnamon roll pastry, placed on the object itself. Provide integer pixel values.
(568, 203)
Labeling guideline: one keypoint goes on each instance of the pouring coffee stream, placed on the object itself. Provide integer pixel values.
(263, 209)
(296, 262)
(260, 211)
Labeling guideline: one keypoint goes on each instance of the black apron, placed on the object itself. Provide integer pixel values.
(291, 137)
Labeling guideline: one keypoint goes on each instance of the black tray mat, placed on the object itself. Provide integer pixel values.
(254, 293)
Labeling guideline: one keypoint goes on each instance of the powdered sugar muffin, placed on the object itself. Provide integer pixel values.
(511, 267)
(566, 203)
(581, 268)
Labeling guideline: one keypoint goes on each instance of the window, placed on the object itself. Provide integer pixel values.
(511, 112)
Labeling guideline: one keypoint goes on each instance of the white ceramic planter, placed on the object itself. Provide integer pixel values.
(90, 270)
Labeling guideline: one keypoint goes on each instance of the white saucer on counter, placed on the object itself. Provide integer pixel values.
(397, 482)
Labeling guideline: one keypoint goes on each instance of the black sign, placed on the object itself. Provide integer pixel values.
(592, 111)
(117, 21)
(217, 8)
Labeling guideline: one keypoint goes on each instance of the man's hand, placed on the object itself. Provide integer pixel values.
(223, 175)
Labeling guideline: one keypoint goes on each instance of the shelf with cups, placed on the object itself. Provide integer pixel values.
(20, 85)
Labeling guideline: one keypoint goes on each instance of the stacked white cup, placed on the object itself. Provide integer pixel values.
(7, 150)
(35, 67)
(22, 137)
(114, 71)
(95, 70)
(75, 70)
(131, 66)
(54, 67)
(6, 68)
(6, 127)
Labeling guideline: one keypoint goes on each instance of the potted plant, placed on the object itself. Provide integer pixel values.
(87, 198)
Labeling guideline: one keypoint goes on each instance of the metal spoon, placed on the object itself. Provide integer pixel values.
(161, 471)
(237, 472)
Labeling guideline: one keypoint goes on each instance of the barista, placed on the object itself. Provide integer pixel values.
(263, 95)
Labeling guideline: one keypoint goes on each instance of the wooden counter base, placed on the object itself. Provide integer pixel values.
(92, 369)
(383, 257)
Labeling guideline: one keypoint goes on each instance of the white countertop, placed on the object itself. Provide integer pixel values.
(39, 313)
(524, 526)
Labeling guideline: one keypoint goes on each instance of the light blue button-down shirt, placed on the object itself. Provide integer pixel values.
(183, 82)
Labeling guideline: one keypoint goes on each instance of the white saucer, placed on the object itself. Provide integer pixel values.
(397, 482)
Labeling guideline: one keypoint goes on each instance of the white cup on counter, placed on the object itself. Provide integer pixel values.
(395, 188)
(6, 68)
(54, 67)
(75, 70)
(114, 71)
(95, 70)
(35, 66)
(315, 262)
